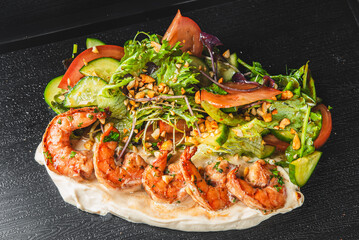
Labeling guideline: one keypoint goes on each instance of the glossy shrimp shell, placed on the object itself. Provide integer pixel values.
(124, 176)
(59, 155)
(260, 189)
(210, 190)
(164, 188)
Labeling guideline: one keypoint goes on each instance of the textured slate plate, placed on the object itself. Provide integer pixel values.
(276, 33)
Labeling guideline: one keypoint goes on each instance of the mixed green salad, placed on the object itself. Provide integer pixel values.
(186, 88)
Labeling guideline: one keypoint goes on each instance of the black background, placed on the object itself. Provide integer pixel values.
(276, 33)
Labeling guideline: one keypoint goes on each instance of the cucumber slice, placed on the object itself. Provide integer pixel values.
(217, 139)
(267, 151)
(102, 67)
(52, 93)
(84, 93)
(301, 169)
(200, 64)
(233, 59)
(283, 135)
(224, 70)
(92, 42)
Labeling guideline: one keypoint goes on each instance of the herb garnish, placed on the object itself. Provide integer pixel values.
(112, 137)
(72, 154)
(216, 167)
(48, 156)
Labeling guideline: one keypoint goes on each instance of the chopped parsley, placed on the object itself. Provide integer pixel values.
(90, 116)
(59, 121)
(72, 154)
(80, 124)
(220, 170)
(70, 118)
(275, 173)
(112, 137)
(48, 156)
(120, 179)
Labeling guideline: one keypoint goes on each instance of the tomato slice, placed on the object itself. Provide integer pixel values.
(186, 31)
(233, 99)
(181, 125)
(326, 125)
(280, 145)
(73, 75)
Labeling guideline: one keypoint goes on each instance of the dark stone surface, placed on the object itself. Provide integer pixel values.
(277, 34)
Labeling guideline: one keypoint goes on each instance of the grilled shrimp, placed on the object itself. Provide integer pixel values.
(261, 189)
(165, 188)
(209, 191)
(126, 175)
(59, 155)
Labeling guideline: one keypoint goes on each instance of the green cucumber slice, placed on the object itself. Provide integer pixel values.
(233, 59)
(283, 135)
(301, 169)
(52, 93)
(84, 93)
(102, 67)
(216, 139)
(268, 150)
(92, 42)
(198, 63)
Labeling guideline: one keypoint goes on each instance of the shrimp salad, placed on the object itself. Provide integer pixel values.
(178, 132)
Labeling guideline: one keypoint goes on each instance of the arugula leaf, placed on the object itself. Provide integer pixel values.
(213, 88)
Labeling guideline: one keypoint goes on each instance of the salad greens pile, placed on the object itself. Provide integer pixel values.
(157, 92)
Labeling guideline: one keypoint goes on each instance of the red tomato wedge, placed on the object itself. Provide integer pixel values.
(181, 125)
(233, 98)
(73, 75)
(186, 31)
(280, 145)
(326, 125)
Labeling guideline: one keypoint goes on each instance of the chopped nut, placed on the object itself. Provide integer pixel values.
(107, 126)
(287, 95)
(220, 80)
(209, 151)
(194, 133)
(125, 102)
(217, 147)
(161, 87)
(208, 125)
(150, 93)
(192, 140)
(149, 86)
(274, 112)
(94, 49)
(170, 92)
(183, 91)
(178, 65)
(163, 134)
(202, 127)
(238, 132)
(186, 65)
(156, 133)
(192, 178)
(296, 142)
(246, 159)
(125, 130)
(197, 97)
(133, 103)
(156, 46)
(276, 127)
(247, 118)
(166, 90)
(201, 120)
(246, 171)
(89, 144)
(214, 125)
(148, 145)
(125, 139)
(147, 79)
(140, 95)
(267, 117)
(209, 118)
(166, 146)
(253, 111)
(167, 178)
(285, 122)
(102, 120)
(292, 131)
(274, 98)
(265, 107)
(132, 92)
(230, 115)
(226, 54)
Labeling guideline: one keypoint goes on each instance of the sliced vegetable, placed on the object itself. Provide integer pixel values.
(181, 125)
(326, 125)
(283, 135)
(233, 60)
(199, 64)
(268, 150)
(239, 98)
(73, 75)
(220, 116)
(218, 138)
(186, 31)
(84, 93)
(301, 169)
(102, 67)
(270, 139)
(93, 42)
(51, 94)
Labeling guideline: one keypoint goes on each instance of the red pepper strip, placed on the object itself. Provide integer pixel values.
(326, 125)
